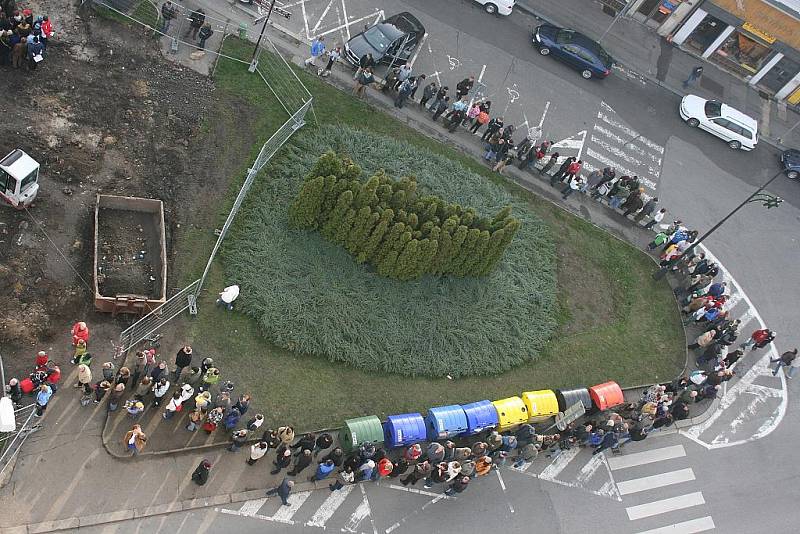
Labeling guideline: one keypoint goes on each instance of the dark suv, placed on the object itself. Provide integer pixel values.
(573, 48)
(390, 41)
(790, 159)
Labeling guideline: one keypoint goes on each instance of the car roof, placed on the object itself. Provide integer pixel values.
(580, 39)
(405, 22)
(738, 116)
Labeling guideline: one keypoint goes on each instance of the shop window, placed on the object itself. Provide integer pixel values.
(779, 75)
(742, 53)
(705, 33)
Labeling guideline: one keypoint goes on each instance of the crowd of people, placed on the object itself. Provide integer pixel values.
(23, 36)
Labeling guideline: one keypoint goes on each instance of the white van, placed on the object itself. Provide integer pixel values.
(738, 129)
(497, 7)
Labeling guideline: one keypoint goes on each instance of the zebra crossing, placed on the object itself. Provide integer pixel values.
(635, 484)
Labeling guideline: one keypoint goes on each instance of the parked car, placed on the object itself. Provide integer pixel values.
(497, 7)
(573, 48)
(737, 129)
(790, 159)
(392, 40)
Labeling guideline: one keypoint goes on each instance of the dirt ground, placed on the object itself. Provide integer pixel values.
(104, 113)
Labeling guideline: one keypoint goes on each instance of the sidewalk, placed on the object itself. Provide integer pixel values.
(643, 53)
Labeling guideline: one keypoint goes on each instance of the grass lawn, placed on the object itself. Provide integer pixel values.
(615, 322)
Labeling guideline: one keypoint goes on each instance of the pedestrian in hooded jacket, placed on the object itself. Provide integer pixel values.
(183, 359)
(160, 389)
(232, 419)
(84, 377)
(80, 332)
(238, 439)
(784, 360)
(323, 442)
(201, 473)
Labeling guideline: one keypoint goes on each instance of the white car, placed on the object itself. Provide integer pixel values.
(497, 7)
(737, 129)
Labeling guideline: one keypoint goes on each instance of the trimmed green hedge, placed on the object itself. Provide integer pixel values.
(308, 294)
(390, 225)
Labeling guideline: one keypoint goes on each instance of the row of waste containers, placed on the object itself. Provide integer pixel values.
(446, 422)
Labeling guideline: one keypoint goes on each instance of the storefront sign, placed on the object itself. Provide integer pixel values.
(668, 6)
(758, 33)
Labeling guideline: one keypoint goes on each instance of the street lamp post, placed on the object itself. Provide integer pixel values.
(768, 201)
(253, 61)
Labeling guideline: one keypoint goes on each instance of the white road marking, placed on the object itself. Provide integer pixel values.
(760, 368)
(556, 466)
(663, 506)
(572, 142)
(503, 487)
(415, 512)
(305, 19)
(646, 457)
(479, 81)
(624, 156)
(635, 485)
(361, 512)
(692, 526)
(346, 25)
(251, 507)
(418, 491)
(629, 142)
(611, 163)
(285, 513)
(324, 12)
(603, 115)
(331, 504)
(590, 468)
(346, 22)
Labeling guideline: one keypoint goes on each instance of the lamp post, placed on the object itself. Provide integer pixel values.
(767, 200)
(253, 60)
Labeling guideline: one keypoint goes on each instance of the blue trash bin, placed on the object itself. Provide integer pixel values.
(481, 415)
(404, 429)
(445, 422)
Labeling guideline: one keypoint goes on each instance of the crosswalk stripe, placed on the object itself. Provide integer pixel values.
(646, 457)
(620, 169)
(251, 507)
(556, 466)
(628, 142)
(663, 506)
(624, 156)
(635, 485)
(285, 513)
(329, 507)
(693, 526)
(628, 131)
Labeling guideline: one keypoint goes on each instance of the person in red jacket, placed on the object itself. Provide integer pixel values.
(80, 331)
(759, 339)
(41, 361)
(572, 171)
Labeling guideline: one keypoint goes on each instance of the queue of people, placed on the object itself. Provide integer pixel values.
(23, 37)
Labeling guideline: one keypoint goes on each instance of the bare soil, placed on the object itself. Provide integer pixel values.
(104, 113)
(129, 255)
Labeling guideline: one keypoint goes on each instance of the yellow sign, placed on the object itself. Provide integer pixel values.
(759, 33)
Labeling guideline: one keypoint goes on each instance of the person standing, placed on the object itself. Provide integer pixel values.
(417, 82)
(283, 458)
(303, 461)
(366, 62)
(257, 451)
(695, 75)
(759, 339)
(438, 98)
(204, 35)
(283, 490)
(421, 470)
(402, 73)
(168, 13)
(323, 470)
(84, 377)
(562, 170)
(458, 485)
(196, 20)
(195, 419)
(428, 93)
(317, 49)
(784, 360)
(238, 439)
(227, 296)
(364, 79)
(647, 210)
(183, 359)
(160, 389)
(333, 57)
(494, 126)
(574, 184)
(657, 218)
(42, 398)
(343, 478)
(464, 86)
(135, 440)
(201, 473)
(403, 93)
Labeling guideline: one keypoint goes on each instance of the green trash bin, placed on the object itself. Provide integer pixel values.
(242, 31)
(359, 430)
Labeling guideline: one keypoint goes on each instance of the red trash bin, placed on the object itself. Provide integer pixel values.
(606, 395)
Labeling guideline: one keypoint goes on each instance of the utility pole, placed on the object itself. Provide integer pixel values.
(768, 201)
(253, 60)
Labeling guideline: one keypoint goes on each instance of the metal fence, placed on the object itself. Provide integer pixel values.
(153, 321)
(11, 442)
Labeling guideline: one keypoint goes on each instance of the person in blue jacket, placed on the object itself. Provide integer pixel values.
(323, 470)
(42, 398)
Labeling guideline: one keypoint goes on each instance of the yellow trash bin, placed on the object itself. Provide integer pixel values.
(541, 404)
(511, 412)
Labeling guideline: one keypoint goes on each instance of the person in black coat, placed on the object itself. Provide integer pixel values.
(324, 441)
(284, 490)
(182, 360)
(303, 461)
(562, 171)
(283, 458)
(336, 455)
(200, 475)
(306, 441)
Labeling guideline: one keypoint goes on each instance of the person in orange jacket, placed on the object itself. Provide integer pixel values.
(384, 468)
(80, 332)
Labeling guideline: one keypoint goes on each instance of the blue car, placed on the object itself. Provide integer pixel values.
(573, 48)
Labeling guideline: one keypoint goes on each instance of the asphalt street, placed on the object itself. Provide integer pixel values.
(720, 476)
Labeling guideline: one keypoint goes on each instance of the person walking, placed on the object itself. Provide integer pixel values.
(695, 75)
(759, 339)
(343, 478)
(257, 451)
(549, 164)
(201, 473)
(283, 490)
(227, 297)
(784, 360)
(317, 49)
(135, 440)
(42, 398)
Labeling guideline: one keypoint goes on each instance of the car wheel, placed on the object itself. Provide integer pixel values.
(490, 9)
(586, 74)
(694, 123)
(736, 145)
(792, 174)
(544, 51)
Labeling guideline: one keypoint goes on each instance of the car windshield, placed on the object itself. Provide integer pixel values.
(713, 108)
(28, 180)
(377, 39)
(564, 36)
